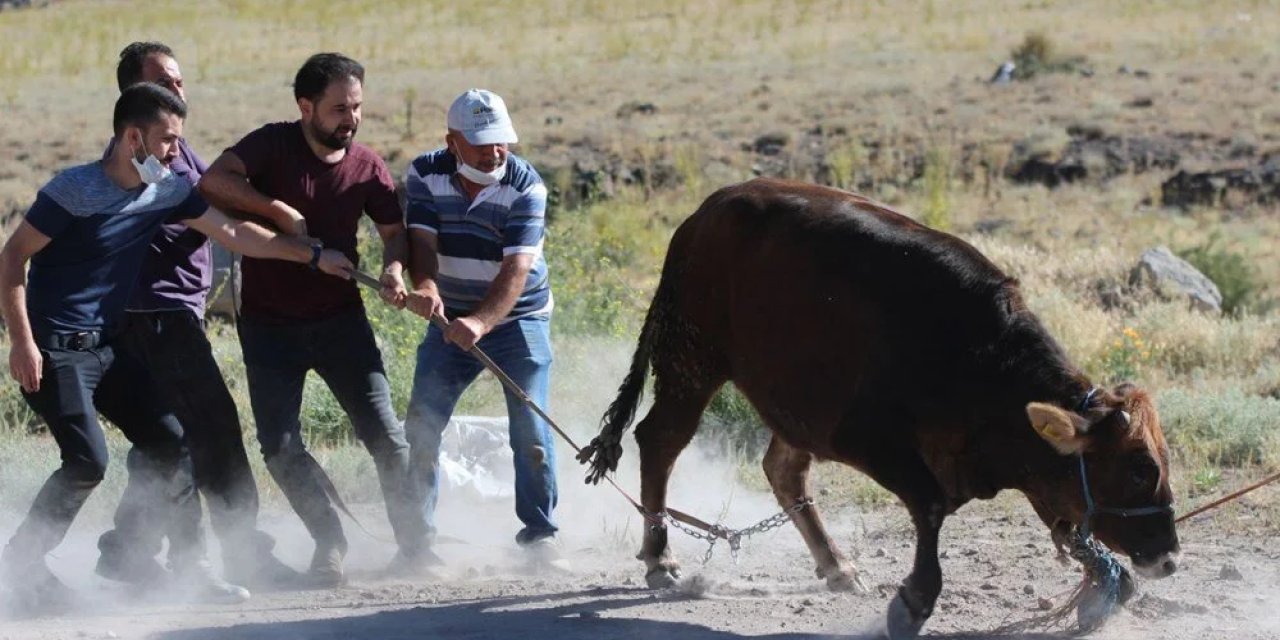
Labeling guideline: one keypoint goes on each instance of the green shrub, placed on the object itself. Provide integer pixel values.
(937, 189)
(733, 423)
(1226, 429)
(1236, 277)
(1036, 56)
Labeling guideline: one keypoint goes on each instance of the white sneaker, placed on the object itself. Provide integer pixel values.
(547, 554)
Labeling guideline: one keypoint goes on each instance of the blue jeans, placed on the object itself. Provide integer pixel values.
(522, 348)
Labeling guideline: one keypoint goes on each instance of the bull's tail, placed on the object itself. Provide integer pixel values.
(605, 449)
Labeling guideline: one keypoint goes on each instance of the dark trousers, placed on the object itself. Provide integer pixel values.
(160, 494)
(341, 349)
(173, 347)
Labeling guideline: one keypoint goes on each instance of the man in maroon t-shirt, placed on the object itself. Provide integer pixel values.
(309, 177)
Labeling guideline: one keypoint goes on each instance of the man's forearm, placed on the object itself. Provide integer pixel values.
(424, 265)
(231, 192)
(13, 302)
(395, 251)
(502, 295)
(257, 242)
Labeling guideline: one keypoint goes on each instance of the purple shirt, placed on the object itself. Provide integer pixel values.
(178, 270)
(332, 198)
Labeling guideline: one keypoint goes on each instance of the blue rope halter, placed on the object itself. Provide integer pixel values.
(1102, 569)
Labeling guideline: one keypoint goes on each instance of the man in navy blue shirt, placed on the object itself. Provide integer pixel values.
(165, 332)
(85, 237)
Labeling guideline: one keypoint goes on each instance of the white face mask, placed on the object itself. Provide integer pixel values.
(150, 170)
(477, 176)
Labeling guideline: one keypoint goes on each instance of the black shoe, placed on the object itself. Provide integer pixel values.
(122, 567)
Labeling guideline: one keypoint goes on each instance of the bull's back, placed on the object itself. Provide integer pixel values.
(818, 298)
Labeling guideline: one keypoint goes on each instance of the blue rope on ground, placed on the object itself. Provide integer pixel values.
(1101, 594)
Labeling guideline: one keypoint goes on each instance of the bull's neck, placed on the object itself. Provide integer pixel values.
(1037, 371)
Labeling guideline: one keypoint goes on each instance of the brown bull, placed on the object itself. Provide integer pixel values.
(864, 337)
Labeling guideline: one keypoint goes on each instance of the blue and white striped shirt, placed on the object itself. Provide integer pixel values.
(505, 219)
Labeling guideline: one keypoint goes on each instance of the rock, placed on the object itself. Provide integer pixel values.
(1230, 572)
(992, 225)
(1173, 278)
(636, 107)
(987, 586)
(879, 553)
(1140, 103)
(1004, 73)
(1232, 187)
(1088, 152)
(770, 144)
(1045, 604)
(1029, 589)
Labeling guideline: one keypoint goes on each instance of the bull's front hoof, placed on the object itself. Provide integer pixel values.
(661, 578)
(846, 580)
(900, 623)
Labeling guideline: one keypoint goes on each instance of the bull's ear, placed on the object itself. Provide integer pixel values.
(1062, 429)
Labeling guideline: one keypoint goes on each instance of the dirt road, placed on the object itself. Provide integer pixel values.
(998, 565)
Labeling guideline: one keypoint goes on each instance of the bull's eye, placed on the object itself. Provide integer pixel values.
(1144, 473)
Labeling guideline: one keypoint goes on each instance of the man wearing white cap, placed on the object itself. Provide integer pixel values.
(476, 216)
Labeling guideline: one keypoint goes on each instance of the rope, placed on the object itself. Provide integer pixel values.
(1227, 498)
(511, 385)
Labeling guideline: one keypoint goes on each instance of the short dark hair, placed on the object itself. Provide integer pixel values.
(142, 104)
(321, 70)
(129, 70)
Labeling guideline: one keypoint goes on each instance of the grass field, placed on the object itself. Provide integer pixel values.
(887, 97)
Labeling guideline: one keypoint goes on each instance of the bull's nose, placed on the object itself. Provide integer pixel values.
(1162, 566)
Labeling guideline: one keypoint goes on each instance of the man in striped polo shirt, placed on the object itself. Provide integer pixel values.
(476, 216)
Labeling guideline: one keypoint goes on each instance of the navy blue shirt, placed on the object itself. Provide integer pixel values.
(99, 234)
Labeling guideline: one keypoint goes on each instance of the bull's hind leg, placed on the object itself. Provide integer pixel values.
(787, 469)
(662, 435)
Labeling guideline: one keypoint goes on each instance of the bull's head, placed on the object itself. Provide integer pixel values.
(1126, 469)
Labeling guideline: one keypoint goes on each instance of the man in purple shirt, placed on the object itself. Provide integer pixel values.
(310, 177)
(165, 331)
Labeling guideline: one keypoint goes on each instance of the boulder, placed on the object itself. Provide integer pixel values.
(1172, 278)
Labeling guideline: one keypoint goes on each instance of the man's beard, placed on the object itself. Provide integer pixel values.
(332, 139)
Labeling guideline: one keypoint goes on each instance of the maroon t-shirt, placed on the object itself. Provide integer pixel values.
(331, 197)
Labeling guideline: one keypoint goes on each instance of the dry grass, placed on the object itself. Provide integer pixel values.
(906, 76)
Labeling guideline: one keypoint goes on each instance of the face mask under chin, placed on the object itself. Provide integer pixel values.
(150, 170)
(477, 176)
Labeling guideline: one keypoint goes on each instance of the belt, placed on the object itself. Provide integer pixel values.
(76, 341)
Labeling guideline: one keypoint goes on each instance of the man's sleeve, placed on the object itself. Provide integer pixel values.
(257, 150)
(47, 216)
(193, 206)
(421, 212)
(526, 224)
(383, 205)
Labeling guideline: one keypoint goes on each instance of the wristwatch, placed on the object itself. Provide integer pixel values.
(316, 248)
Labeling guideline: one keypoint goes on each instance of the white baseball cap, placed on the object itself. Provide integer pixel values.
(481, 117)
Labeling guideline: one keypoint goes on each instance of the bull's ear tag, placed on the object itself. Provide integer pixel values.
(1060, 428)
